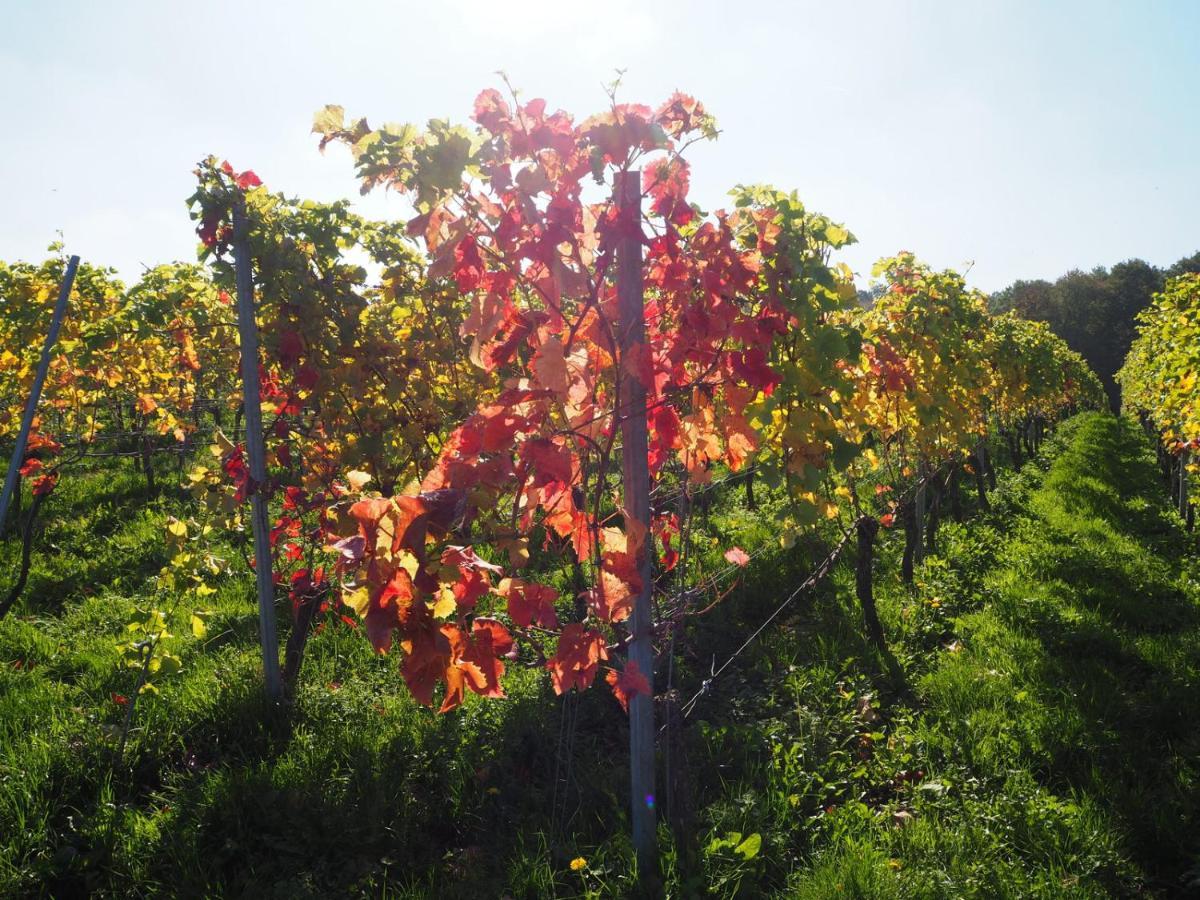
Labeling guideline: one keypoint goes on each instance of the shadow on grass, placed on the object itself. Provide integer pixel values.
(107, 521)
(1120, 645)
(356, 789)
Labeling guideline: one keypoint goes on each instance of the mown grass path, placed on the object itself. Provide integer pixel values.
(1055, 728)
(1101, 593)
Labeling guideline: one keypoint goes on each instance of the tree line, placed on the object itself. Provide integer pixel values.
(1094, 311)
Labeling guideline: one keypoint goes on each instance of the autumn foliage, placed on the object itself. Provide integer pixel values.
(443, 397)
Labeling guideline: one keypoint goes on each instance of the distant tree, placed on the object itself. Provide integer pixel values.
(1029, 299)
(1092, 311)
(1189, 264)
(1133, 284)
(868, 296)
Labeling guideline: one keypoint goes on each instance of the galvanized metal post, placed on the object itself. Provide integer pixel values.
(35, 394)
(631, 337)
(256, 453)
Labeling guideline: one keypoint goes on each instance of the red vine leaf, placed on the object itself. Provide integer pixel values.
(628, 683)
(577, 658)
(529, 602)
(737, 556)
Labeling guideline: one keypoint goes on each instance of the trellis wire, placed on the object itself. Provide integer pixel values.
(814, 578)
(811, 580)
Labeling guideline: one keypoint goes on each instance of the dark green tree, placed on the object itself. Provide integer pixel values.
(1189, 264)
(1029, 299)
(1092, 311)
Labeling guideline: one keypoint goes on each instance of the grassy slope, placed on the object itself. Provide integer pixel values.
(1050, 721)
(1036, 744)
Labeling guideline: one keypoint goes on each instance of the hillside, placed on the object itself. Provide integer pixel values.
(1029, 737)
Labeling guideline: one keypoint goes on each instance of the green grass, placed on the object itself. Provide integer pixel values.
(1046, 711)
(1030, 735)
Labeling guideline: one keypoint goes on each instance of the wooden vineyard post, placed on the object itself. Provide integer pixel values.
(255, 453)
(631, 338)
(985, 460)
(867, 528)
(934, 519)
(980, 467)
(35, 394)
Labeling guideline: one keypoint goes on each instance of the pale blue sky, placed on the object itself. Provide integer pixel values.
(1027, 137)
